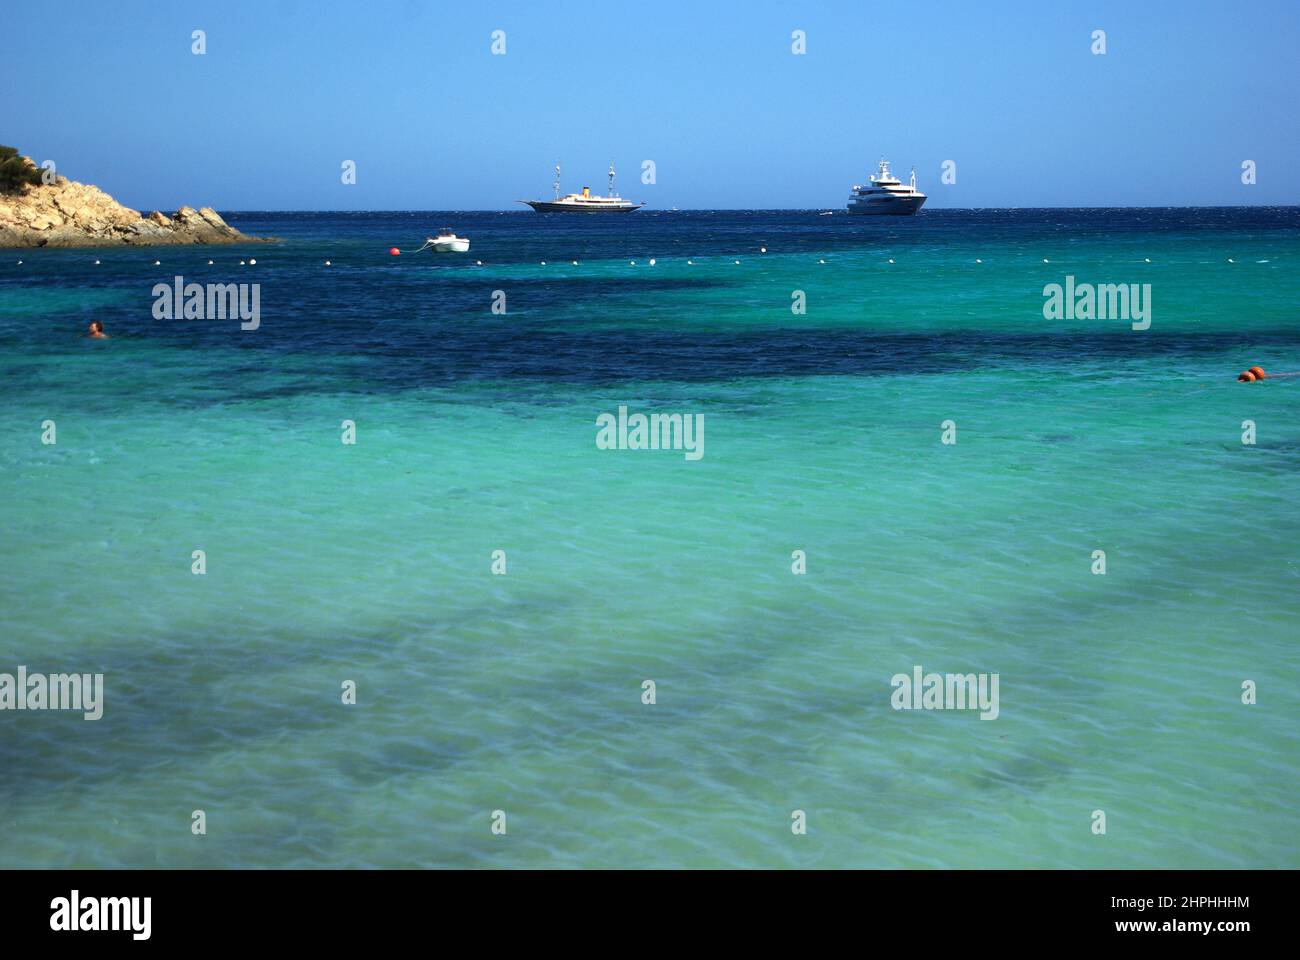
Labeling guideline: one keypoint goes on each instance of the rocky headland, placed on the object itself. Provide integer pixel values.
(64, 213)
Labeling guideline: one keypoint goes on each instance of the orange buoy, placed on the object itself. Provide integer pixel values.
(1258, 372)
(393, 251)
(1246, 377)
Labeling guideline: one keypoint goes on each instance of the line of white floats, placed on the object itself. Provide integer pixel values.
(631, 263)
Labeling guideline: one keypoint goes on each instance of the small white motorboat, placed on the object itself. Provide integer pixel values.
(447, 242)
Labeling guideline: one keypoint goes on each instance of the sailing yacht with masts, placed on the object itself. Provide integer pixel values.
(584, 202)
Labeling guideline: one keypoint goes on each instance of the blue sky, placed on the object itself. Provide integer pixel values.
(710, 91)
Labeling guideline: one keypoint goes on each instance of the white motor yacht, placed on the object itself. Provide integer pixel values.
(885, 195)
(447, 242)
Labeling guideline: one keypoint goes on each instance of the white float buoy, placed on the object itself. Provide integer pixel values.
(1148, 260)
(891, 261)
(478, 263)
(327, 263)
(762, 249)
(20, 263)
(631, 263)
(157, 263)
(543, 263)
(241, 263)
(821, 261)
(252, 262)
(575, 263)
(1045, 260)
(1230, 260)
(652, 261)
(978, 260)
(96, 263)
(736, 262)
(209, 263)
(690, 263)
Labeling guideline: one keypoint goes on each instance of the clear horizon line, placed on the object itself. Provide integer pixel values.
(839, 209)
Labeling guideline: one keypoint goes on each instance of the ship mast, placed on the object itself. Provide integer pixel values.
(557, 179)
(611, 178)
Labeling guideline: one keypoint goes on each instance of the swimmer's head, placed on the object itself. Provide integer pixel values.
(96, 327)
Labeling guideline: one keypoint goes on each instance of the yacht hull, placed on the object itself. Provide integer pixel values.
(546, 206)
(893, 207)
(451, 246)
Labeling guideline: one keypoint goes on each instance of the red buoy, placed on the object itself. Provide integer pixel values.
(394, 251)
(1258, 372)
(1246, 377)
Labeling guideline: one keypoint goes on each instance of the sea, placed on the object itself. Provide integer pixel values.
(365, 590)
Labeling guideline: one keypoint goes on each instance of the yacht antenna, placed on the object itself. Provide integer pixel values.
(557, 179)
(611, 178)
(914, 179)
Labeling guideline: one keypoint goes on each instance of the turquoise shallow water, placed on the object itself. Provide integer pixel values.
(372, 562)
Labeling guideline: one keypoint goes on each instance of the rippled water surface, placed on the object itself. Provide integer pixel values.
(476, 432)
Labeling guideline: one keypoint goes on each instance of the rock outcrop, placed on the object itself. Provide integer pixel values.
(69, 214)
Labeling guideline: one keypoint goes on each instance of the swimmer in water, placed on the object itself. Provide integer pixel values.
(97, 331)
